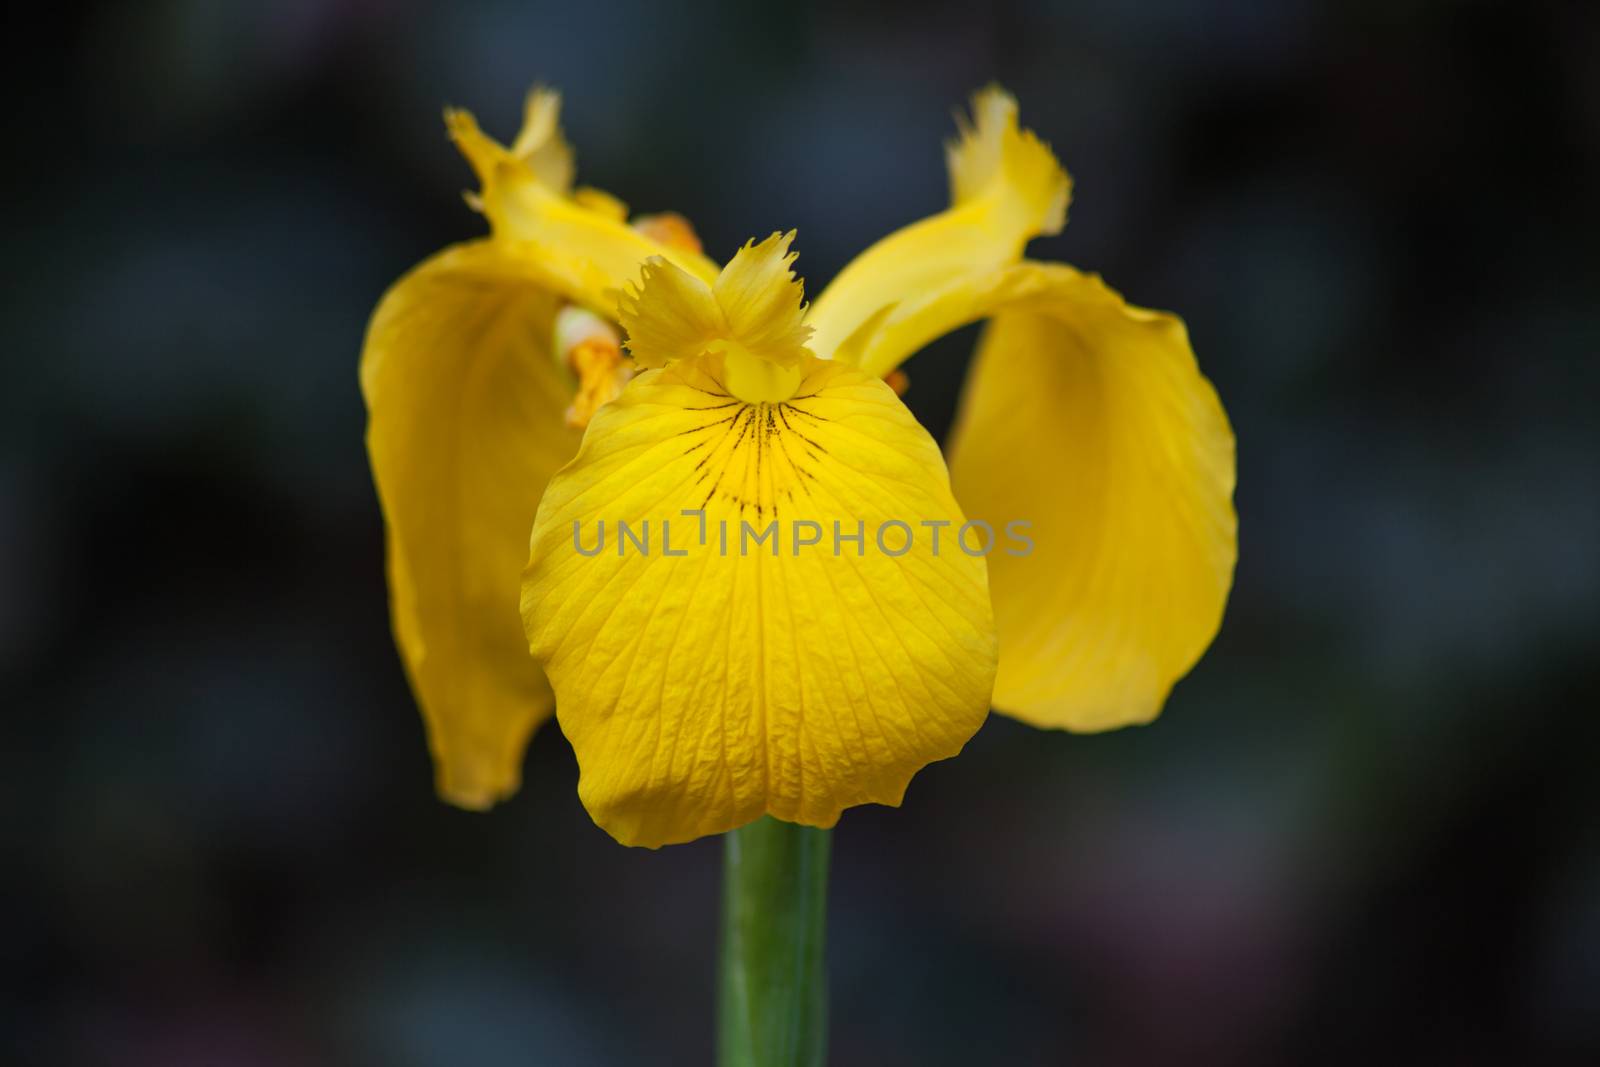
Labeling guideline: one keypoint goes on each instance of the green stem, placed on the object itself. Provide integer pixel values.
(773, 1005)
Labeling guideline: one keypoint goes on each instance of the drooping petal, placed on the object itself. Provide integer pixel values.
(1006, 188)
(465, 406)
(743, 676)
(1090, 421)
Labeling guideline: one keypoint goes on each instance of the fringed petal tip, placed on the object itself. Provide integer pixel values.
(1006, 189)
(755, 303)
(482, 152)
(764, 301)
(992, 148)
(668, 313)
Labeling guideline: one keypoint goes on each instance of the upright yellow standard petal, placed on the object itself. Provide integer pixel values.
(579, 245)
(755, 304)
(542, 145)
(761, 299)
(1006, 188)
(681, 319)
(1089, 421)
(744, 660)
(465, 427)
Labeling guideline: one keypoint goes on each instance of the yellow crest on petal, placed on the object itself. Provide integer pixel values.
(763, 300)
(669, 314)
(753, 307)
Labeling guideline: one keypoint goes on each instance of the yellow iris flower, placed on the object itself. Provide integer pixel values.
(752, 584)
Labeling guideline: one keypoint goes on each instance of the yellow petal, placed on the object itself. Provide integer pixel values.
(679, 320)
(761, 299)
(1006, 188)
(588, 256)
(465, 426)
(602, 203)
(541, 144)
(483, 153)
(540, 151)
(1089, 420)
(580, 246)
(753, 306)
(905, 328)
(703, 690)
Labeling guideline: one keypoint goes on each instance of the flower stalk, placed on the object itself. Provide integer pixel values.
(772, 1001)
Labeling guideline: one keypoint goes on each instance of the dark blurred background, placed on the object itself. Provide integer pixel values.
(1365, 829)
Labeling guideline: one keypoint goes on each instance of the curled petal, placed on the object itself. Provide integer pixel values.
(1089, 421)
(465, 426)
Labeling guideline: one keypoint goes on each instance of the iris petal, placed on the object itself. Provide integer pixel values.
(748, 677)
(1006, 188)
(1089, 420)
(579, 245)
(465, 427)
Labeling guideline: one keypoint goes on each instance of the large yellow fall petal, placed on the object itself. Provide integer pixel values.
(465, 427)
(1089, 419)
(1006, 188)
(772, 676)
